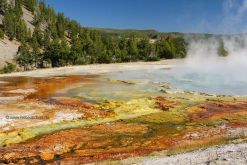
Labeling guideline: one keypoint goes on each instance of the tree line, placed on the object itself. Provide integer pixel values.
(59, 41)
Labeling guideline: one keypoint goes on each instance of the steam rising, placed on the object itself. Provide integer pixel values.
(203, 57)
(204, 70)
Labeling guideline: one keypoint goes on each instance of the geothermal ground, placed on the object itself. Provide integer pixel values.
(84, 114)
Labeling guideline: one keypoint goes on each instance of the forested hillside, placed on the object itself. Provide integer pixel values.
(53, 40)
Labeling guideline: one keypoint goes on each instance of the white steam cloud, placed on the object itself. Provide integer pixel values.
(204, 70)
(203, 57)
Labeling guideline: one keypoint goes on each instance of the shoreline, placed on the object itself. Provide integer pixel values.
(93, 69)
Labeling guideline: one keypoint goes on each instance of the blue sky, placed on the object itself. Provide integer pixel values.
(212, 16)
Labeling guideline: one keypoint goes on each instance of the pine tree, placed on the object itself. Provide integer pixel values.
(60, 25)
(221, 49)
(36, 53)
(145, 49)
(133, 49)
(38, 35)
(9, 25)
(21, 31)
(123, 46)
(17, 8)
(52, 53)
(24, 57)
(165, 49)
(76, 52)
(1, 34)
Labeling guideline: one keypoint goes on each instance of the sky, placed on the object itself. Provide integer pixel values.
(203, 16)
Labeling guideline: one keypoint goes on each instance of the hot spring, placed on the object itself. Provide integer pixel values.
(203, 70)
